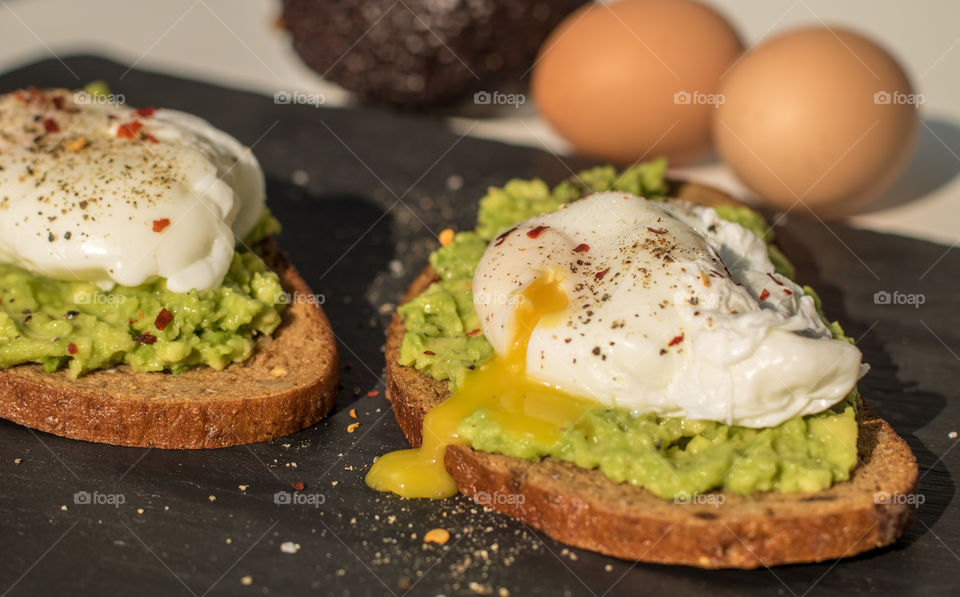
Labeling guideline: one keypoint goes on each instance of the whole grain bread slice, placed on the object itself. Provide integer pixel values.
(288, 384)
(586, 509)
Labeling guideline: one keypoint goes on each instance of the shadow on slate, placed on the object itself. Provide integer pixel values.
(359, 230)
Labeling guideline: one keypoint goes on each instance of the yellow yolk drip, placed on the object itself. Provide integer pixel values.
(520, 404)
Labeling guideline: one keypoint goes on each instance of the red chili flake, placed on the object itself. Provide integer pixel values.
(676, 340)
(473, 333)
(581, 248)
(129, 130)
(536, 231)
(657, 230)
(298, 486)
(51, 126)
(601, 273)
(787, 290)
(373, 393)
(764, 295)
(146, 112)
(72, 348)
(150, 138)
(146, 339)
(19, 95)
(58, 103)
(503, 236)
(429, 353)
(163, 319)
(775, 281)
(161, 224)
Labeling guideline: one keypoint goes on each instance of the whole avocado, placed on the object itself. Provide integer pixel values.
(420, 53)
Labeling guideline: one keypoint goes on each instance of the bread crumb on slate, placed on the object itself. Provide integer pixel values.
(212, 498)
(438, 536)
(300, 178)
(952, 435)
(246, 581)
(17, 460)
(480, 589)
(446, 237)
(243, 487)
(454, 182)
(289, 547)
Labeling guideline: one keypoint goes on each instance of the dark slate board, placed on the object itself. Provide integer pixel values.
(359, 231)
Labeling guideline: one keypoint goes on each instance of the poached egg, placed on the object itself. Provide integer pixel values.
(668, 309)
(109, 194)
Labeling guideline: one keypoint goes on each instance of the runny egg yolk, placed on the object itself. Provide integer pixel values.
(519, 403)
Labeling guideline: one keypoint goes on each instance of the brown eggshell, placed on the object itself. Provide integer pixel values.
(609, 76)
(819, 116)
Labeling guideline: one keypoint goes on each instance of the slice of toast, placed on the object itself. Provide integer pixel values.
(584, 508)
(288, 384)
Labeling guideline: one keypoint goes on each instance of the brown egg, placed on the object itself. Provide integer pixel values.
(635, 78)
(821, 116)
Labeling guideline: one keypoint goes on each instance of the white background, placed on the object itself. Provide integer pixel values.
(236, 43)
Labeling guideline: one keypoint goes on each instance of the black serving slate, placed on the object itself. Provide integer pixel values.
(381, 186)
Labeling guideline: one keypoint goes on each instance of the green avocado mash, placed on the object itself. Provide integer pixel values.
(673, 457)
(70, 324)
(668, 455)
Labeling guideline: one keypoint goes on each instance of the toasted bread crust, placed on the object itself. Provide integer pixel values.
(288, 384)
(584, 508)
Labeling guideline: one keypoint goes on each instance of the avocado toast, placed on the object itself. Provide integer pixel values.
(131, 313)
(582, 506)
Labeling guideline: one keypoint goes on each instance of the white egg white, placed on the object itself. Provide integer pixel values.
(79, 201)
(673, 310)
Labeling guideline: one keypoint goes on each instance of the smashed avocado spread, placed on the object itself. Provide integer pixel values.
(673, 457)
(669, 456)
(75, 325)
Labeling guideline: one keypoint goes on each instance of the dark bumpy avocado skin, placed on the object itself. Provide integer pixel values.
(420, 53)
